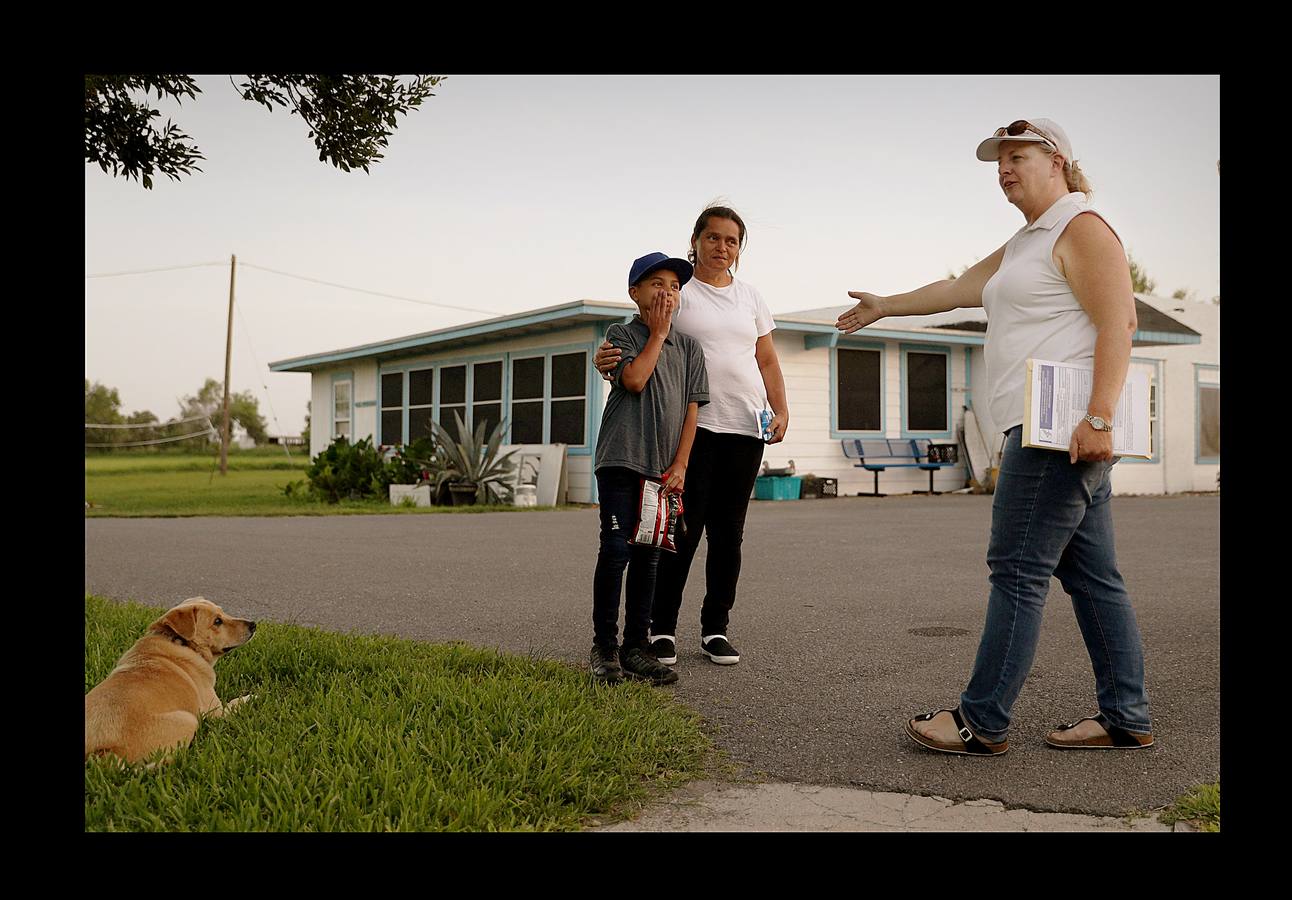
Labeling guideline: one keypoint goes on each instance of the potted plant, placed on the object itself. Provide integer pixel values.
(473, 468)
(419, 468)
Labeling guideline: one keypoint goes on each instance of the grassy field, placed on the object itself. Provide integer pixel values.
(189, 485)
(241, 461)
(356, 733)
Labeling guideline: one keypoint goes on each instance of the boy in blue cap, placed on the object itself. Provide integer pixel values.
(646, 431)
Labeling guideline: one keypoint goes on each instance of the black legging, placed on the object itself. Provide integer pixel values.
(719, 479)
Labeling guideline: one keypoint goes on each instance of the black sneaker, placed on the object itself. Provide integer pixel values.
(605, 663)
(663, 648)
(719, 649)
(638, 663)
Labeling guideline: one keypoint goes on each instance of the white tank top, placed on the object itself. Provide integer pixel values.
(1032, 312)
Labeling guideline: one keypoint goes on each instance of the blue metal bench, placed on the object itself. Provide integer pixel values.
(877, 454)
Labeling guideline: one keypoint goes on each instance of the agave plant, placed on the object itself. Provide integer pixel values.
(473, 460)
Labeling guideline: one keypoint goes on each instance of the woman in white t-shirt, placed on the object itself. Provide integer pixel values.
(734, 327)
(1059, 289)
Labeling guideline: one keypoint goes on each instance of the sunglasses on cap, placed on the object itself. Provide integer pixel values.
(1014, 129)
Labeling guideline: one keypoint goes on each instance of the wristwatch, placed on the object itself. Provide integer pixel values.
(1097, 423)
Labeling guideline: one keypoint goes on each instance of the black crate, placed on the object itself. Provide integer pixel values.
(944, 453)
(818, 488)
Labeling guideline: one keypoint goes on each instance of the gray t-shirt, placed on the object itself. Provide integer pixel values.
(641, 431)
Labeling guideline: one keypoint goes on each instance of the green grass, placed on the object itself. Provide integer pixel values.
(185, 485)
(257, 460)
(1201, 807)
(358, 733)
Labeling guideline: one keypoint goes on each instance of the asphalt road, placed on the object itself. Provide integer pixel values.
(853, 615)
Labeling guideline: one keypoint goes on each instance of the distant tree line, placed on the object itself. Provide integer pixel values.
(103, 407)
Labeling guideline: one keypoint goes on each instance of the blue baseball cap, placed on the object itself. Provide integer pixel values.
(644, 265)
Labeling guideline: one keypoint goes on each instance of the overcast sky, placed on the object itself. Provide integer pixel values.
(508, 193)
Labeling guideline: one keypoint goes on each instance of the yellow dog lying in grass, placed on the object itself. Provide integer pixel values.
(164, 684)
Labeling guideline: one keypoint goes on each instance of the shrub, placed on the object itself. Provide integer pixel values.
(348, 471)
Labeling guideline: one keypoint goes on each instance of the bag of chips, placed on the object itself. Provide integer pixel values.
(659, 518)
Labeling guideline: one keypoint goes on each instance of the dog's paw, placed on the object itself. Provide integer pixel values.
(238, 701)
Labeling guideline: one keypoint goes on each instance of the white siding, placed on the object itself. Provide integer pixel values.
(320, 410)
(808, 441)
(365, 399)
(1178, 470)
(579, 472)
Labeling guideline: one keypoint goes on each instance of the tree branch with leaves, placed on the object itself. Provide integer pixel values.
(350, 118)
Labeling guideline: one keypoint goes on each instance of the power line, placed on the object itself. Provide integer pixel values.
(183, 437)
(150, 271)
(344, 287)
(148, 424)
(488, 312)
(209, 431)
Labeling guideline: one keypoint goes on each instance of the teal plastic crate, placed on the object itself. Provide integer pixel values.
(768, 487)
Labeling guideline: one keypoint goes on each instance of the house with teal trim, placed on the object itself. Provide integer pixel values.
(902, 377)
(914, 377)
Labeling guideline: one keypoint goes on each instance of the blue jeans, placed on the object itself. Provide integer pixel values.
(619, 491)
(1051, 517)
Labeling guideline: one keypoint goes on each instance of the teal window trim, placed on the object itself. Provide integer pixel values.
(931, 349)
(815, 341)
(882, 348)
(546, 353)
(501, 359)
(593, 401)
(345, 375)
(596, 405)
(1157, 431)
(406, 369)
(1198, 386)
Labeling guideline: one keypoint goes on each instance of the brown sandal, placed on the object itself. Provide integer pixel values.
(969, 744)
(1115, 739)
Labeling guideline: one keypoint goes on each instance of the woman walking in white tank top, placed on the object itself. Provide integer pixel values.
(1059, 289)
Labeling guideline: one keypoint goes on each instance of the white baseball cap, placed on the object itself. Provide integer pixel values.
(1044, 131)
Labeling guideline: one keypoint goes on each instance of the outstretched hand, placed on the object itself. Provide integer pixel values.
(869, 308)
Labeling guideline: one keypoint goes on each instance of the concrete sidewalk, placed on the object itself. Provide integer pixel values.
(780, 806)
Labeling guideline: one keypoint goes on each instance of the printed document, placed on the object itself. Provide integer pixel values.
(1057, 396)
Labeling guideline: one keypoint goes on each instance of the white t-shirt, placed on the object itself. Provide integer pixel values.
(728, 321)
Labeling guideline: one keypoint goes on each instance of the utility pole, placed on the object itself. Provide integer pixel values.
(228, 357)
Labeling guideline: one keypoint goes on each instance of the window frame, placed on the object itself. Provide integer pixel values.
(1155, 414)
(339, 378)
(549, 398)
(835, 431)
(1199, 385)
(931, 350)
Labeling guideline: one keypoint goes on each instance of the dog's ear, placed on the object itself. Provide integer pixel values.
(182, 620)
